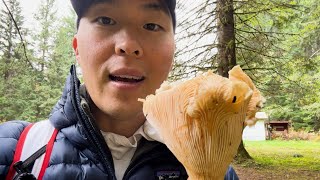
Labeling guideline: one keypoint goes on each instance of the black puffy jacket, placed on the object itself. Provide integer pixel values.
(80, 151)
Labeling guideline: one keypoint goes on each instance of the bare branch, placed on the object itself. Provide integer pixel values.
(22, 41)
(314, 54)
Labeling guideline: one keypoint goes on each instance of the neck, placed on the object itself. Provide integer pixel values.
(125, 126)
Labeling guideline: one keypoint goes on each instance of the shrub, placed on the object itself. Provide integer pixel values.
(295, 135)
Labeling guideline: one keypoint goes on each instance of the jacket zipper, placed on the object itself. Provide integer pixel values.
(90, 129)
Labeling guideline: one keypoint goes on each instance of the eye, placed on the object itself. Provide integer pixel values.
(152, 27)
(105, 21)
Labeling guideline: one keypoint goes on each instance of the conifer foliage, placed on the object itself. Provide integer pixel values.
(34, 62)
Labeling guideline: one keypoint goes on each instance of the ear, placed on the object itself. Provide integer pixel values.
(75, 47)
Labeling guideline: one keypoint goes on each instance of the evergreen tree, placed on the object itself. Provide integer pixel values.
(44, 37)
(30, 93)
(45, 32)
(62, 58)
(9, 36)
(14, 67)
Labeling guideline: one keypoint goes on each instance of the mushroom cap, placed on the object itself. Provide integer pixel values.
(257, 100)
(201, 121)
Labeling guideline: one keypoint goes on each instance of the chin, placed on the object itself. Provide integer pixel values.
(123, 108)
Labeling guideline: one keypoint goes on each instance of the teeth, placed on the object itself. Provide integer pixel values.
(129, 77)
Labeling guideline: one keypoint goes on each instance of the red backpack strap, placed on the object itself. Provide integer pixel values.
(34, 140)
(18, 152)
(48, 154)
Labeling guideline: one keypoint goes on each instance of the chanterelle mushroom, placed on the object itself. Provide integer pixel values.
(200, 120)
(257, 100)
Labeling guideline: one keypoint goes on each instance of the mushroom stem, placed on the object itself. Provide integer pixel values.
(193, 176)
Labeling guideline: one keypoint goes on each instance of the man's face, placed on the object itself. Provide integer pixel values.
(125, 49)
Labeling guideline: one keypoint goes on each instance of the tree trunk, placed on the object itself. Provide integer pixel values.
(226, 37)
(227, 50)
(242, 154)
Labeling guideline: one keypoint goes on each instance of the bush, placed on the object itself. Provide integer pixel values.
(295, 135)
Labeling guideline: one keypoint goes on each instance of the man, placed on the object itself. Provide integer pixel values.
(125, 49)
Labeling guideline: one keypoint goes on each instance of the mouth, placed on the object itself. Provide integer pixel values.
(126, 78)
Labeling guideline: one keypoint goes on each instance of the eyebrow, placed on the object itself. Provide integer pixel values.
(155, 6)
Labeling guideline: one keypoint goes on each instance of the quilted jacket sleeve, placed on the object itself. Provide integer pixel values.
(231, 174)
(9, 135)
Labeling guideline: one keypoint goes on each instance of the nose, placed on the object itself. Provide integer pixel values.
(128, 44)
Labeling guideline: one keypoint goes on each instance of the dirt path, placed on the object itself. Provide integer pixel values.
(253, 173)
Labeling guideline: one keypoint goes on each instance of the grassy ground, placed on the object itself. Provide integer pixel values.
(275, 160)
(282, 153)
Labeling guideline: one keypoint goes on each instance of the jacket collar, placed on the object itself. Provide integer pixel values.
(68, 116)
(63, 115)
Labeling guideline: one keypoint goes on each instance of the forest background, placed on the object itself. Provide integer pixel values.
(277, 43)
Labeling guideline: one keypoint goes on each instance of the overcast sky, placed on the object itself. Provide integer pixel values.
(29, 7)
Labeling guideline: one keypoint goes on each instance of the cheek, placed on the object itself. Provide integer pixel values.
(94, 47)
(162, 59)
(167, 58)
(163, 56)
(92, 56)
(90, 51)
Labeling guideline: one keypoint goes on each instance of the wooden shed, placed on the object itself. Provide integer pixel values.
(279, 125)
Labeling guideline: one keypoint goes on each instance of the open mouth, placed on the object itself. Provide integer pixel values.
(126, 78)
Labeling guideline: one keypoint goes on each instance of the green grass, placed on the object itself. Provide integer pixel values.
(279, 154)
